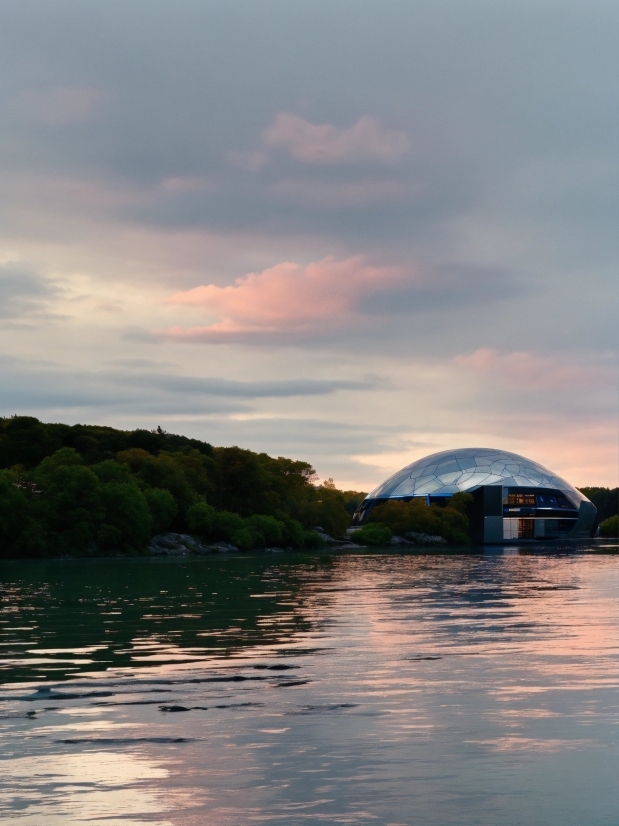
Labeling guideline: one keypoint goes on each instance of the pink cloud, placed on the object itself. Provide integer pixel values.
(286, 298)
(324, 144)
(531, 372)
(61, 105)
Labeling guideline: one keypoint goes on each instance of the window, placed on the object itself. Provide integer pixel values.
(521, 499)
(526, 529)
(554, 500)
(510, 528)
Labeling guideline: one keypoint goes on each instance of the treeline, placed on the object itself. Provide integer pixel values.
(606, 500)
(83, 490)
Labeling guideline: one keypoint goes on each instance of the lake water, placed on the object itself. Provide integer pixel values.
(388, 689)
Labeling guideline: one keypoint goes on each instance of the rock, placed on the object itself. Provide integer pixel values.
(171, 544)
(399, 540)
(424, 539)
(182, 544)
(220, 548)
(325, 537)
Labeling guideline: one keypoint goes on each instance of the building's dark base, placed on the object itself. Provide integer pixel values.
(501, 515)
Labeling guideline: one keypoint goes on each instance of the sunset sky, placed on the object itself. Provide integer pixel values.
(353, 232)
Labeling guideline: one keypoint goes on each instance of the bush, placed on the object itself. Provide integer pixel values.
(266, 529)
(610, 527)
(226, 525)
(243, 538)
(311, 539)
(374, 533)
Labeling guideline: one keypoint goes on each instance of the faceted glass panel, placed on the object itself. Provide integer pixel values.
(449, 471)
(448, 467)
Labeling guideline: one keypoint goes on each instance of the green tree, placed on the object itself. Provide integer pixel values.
(162, 506)
(242, 482)
(201, 519)
(14, 511)
(70, 504)
(127, 515)
(610, 527)
(266, 530)
(165, 473)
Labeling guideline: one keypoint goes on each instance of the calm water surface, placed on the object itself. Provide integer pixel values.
(286, 689)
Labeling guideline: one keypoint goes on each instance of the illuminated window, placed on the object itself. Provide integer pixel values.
(521, 499)
(526, 529)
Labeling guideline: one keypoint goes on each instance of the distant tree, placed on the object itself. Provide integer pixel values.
(352, 500)
(201, 519)
(329, 512)
(165, 473)
(127, 520)
(26, 441)
(162, 506)
(610, 527)
(70, 504)
(606, 500)
(14, 511)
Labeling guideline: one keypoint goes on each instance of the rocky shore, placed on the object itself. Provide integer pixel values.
(183, 544)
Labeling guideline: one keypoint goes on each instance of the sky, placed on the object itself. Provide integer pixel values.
(353, 232)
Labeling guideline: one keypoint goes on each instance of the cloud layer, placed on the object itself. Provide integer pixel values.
(371, 193)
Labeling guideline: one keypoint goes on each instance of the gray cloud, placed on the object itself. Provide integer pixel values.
(23, 292)
(447, 287)
(195, 385)
(37, 385)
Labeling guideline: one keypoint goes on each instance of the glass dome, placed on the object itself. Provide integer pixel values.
(453, 471)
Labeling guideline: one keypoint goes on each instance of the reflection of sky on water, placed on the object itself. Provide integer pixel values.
(393, 690)
(81, 788)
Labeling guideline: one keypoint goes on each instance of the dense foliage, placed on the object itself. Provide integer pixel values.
(606, 500)
(91, 490)
(374, 533)
(449, 521)
(610, 527)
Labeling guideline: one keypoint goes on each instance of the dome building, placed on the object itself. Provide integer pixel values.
(514, 498)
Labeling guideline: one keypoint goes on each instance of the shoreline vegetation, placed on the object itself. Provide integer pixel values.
(87, 490)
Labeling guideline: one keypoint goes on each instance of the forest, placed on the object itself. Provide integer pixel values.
(90, 490)
(87, 490)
